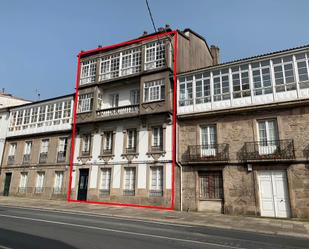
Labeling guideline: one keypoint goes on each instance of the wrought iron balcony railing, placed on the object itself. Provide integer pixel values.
(61, 156)
(11, 160)
(130, 150)
(85, 152)
(210, 153)
(43, 157)
(26, 158)
(155, 193)
(107, 152)
(116, 111)
(269, 150)
(128, 192)
(158, 148)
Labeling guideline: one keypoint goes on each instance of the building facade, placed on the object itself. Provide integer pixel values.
(37, 149)
(123, 147)
(6, 101)
(243, 136)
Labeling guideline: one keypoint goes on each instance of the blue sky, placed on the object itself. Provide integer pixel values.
(41, 38)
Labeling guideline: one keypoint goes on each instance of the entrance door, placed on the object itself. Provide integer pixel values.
(83, 184)
(274, 197)
(7, 184)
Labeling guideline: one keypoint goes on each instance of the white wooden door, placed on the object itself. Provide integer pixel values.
(273, 191)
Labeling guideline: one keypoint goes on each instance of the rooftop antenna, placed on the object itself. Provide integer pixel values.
(38, 94)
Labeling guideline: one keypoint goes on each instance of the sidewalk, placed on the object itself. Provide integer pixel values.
(252, 224)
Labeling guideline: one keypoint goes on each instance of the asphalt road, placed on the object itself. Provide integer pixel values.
(24, 228)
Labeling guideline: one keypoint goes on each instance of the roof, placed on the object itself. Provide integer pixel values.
(261, 56)
(8, 95)
(42, 101)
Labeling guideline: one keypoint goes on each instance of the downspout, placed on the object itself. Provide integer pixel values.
(180, 167)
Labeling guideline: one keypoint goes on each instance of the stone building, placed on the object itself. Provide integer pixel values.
(123, 147)
(243, 136)
(36, 153)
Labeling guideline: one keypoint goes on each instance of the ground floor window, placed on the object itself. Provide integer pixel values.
(105, 181)
(129, 181)
(23, 182)
(40, 182)
(58, 182)
(211, 185)
(156, 188)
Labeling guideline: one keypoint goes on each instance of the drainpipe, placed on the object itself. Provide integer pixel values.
(180, 167)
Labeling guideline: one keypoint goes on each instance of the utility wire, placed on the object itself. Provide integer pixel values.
(150, 14)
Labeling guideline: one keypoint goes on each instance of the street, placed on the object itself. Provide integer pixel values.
(23, 228)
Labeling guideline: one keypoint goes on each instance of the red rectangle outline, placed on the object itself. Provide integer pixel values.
(175, 33)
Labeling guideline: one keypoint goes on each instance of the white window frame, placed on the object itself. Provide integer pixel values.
(134, 97)
(129, 178)
(106, 177)
(156, 178)
(23, 180)
(268, 145)
(154, 55)
(12, 149)
(303, 59)
(154, 90)
(88, 72)
(44, 146)
(85, 102)
(58, 182)
(40, 180)
(208, 136)
(284, 86)
(27, 148)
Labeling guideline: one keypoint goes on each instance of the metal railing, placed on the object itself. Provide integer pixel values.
(128, 192)
(155, 193)
(104, 192)
(211, 152)
(130, 150)
(157, 148)
(269, 150)
(107, 152)
(11, 160)
(26, 158)
(116, 111)
(43, 157)
(61, 156)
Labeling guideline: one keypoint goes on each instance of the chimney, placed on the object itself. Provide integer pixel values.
(215, 52)
(160, 29)
(145, 33)
(167, 27)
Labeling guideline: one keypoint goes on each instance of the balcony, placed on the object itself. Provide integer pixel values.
(155, 193)
(269, 150)
(208, 153)
(61, 156)
(43, 157)
(26, 158)
(11, 160)
(158, 148)
(130, 150)
(107, 152)
(118, 111)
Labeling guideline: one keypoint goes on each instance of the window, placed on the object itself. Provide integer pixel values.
(155, 55)
(27, 116)
(12, 153)
(202, 88)
(58, 110)
(27, 149)
(34, 115)
(19, 117)
(131, 61)
(50, 112)
(39, 182)
(85, 102)
(44, 146)
(221, 85)
(114, 100)
(131, 140)
(261, 78)
(211, 185)
(42, 113)
(62, 149)
(13, 120)
(268, 136)
(284, 74)
(240, 79)
(156, 188)
(109, 67)
(129, 181)
(185, 91)
(302, 61)
(58, 182)
(23, 182)
(209, 140)
(134, 97)
(67, 109)
(86, 144)
(12, 150)
(88, 72)
(157, 138)
(105, 181)
(108, 142)
(154, 91)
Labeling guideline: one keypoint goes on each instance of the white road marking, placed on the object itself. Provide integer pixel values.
(120, 231)
(111, 216)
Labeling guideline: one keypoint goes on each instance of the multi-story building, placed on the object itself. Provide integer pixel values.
(243, 136)
(123, 147)
(36, 155)
(6, 101)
